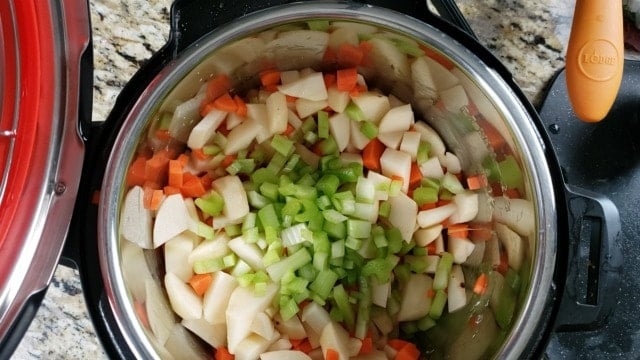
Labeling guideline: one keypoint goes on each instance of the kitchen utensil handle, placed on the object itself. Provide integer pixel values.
(187, 16)
(594, 261)
(595, 58)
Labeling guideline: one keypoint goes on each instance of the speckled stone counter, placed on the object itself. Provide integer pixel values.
(528, 36)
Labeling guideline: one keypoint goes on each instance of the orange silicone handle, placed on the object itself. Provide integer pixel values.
(595, 57)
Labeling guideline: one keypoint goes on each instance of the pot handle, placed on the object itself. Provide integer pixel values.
(187, 24)
(594, 261)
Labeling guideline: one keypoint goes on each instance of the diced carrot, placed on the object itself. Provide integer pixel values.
(357, 90)
(199, 154)
(175, 173)
(271, 88)
(512, 193)
(222, 353)
(371, 154)
(304, 345)
(290, 99)
(206, 181)
(408, 352)
(416, 176)
(349, 55)
(270, 77)
(329, 57)
(329, 80)
(430, 293)
(217, 86)
(367, 345)
(206, 107)
(151, 185)
(439, 58)
(458, 230)
(477, 181)
(346, 79)
(431, 248)
(136, 173)
(480, 286)
(493, 136)
(442, 202)
(504, 263)
(141, 311)
(152, 198)
(480, 231)
(397, 344)
(95, 197)
(171, 190)
(365, 47)
(192, 188)
(226, 103)
(183, 159)
(228, 160)
(332, 355)
(200, 283)
(222, 129)
(163, 134)
(241, 106)
(156, 168)
(289, 130)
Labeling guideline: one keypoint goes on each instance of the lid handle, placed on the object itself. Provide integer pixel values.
(595, 58)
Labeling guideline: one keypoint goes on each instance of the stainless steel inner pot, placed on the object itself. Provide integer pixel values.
(493, 97)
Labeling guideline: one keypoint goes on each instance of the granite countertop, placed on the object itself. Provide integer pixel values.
(529, 37)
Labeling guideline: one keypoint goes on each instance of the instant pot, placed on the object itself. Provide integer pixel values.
(576, 259)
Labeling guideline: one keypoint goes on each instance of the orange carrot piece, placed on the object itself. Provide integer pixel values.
(480, 231)
(329, 57)
(480, 286)
(329, 80)
(367, 345)
(430, 293)
(241, 106)
(206, 181)
(217, 86)
(200, 283)
(416, 176)
(477, 181)
(458, 230)
(171, 190)
(431, 248)
(192, 188)
(346, 79)
(206, 107)
(222, 353)
(408, 352)
(397, 344)
(152, 198)
(289, 130)
(175, 173)
(226, 103)
(349, 55)
(365, 47)
(504, 264)
(439, 58)
(136, 173)
(332, 355)
(270, 77)
(163, 134)
(290, 99)
(183, 159)
(512, 193)
(371, 154)
(493, 136)
(199, 154)
(228, 160)
(155, 169)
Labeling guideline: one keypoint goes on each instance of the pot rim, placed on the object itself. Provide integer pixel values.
(529, 146)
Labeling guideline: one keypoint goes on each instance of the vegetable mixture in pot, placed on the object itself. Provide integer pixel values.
(309, 212)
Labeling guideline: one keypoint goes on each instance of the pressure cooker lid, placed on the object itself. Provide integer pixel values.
(41, 149)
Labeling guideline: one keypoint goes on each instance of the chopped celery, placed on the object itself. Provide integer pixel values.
(354, 112)
(311, 137)
(437, 304)
(281, 144)
(291, 207)
(510, 173)
(384, 209)
(211, 150)
(365, 190)
(271, 235)
(423, 152)
(425, 195)
(353, 244)
(358, 229)
(336, 230)
(443, 271)
(318, 25)
(333, 216)
(269, 217)
(257, 200)
(212, 203)
(341, 299)
(324, 282)
(291, 163)
(269, 190)
(328, 146)
(395, 240)
(369, 129)
(337, 249)
(233, 230)
(364, 308)
(380, 268)
(262, 175)
(323, 202)
(288, 307)
(277, 162)
(294, 261)
(378, 236)
(425, 323)
(451, 183)
(208, 265)
(328, 184)
(310, 211)
(323, 124)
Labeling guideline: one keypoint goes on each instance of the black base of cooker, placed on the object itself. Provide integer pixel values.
(604, 158)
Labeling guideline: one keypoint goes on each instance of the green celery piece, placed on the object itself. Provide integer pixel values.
(510, 173)
(281, 144)
(257, 200)
(249, 221)
(323, 202)
(334, 216)
(451, 183)
(354, 112)
(424, 148)
(308, 272)
(395, 240)
(328, 146)
(437, 304)
(443, 271)
(211, 150)
(341, 299)
(337, 249)
(291, 207)
(409, 327)
(359, 229)
(378, 237)
(316, 223)
(292, 262)
(336, 230)
(310, 137)
(324, 282)
(233, 230)
(212, 203)
(307, 180)
(353, 244)
(165, 120)
(380, 268)
(349, 173)
(328, 184)
(385, 209)
(512, 278)
(402, 273)
(208, 266)
(425, 195)
(408, 48)
(288, 307)
(369, 129)
(269, 217)
(364, 308)
(321, 260)
(431, 183)
(310, 211)
(263, 175)
(491, 168)
(426, 323)
(277, 162)
(308, 125)
(323, 124)
(318, 25)
(291, 163)
(269, 190)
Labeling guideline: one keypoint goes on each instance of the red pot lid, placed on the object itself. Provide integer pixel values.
(41, 151)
